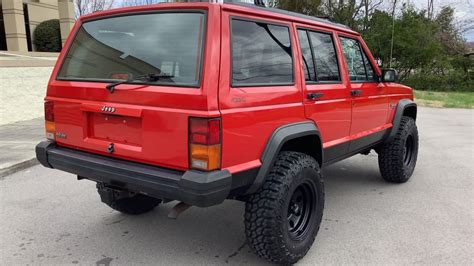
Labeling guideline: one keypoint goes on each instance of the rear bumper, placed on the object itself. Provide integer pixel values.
(197, 188)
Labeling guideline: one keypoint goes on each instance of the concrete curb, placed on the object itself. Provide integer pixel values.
(18, 167)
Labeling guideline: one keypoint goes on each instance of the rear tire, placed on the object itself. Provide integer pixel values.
(282, 218)
(397, 158)
(126, 202)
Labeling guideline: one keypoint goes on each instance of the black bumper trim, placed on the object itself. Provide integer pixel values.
(202, 189)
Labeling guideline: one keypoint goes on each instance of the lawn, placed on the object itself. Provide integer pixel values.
(445, 99)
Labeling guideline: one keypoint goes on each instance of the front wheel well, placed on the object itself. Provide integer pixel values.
(310, 145)
(410, 111)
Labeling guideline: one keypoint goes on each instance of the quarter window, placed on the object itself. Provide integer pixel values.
(319, 56)
(261, 54)
(357, 62)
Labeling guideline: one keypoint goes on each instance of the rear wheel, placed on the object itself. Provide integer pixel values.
(397, 158)
(126, 202)
(283, 217)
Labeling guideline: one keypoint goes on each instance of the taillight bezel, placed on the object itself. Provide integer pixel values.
(49, 121)
(205, 137)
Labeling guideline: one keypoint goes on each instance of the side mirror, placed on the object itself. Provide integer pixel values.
(389, 75)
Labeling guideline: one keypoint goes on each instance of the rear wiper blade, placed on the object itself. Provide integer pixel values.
(148, 77)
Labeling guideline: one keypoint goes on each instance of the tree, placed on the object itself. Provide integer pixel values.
(307, 7)
(141, 2)
(415, 46)
(84, 7)
(448, 35)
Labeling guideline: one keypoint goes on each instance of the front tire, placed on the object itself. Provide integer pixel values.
(397, 158)
(126, 202)
(282, 219)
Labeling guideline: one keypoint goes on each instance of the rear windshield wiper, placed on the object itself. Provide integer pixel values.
(148, 77)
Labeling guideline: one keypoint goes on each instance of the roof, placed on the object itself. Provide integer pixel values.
(289, 13)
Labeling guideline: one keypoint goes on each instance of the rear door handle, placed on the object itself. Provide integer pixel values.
(315, 95)
(356, 92)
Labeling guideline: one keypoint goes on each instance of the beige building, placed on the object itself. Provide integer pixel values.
(19, 18)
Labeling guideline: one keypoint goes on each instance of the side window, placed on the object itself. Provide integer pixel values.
(368, 68)
(307, 55)
(358, 65)
(319, 56)
(261, 54)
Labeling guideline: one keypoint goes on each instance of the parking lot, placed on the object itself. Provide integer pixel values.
(48, 217)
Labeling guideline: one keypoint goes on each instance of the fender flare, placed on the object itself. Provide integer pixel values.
(403, 105)
(274, 145)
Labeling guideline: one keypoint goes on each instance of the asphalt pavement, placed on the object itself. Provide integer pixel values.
(48, 217)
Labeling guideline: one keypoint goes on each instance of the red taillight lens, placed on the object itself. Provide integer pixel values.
(205, 131)
(49, 111)
(205, 143)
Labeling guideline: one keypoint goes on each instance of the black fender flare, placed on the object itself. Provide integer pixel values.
(402, 105)
(275, 143)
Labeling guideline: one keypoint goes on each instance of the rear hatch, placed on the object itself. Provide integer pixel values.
(158, 55)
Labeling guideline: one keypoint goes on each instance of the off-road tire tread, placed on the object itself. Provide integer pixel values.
(261, 217)
(390, 154)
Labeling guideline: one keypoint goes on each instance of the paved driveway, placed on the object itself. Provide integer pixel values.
(47, 217)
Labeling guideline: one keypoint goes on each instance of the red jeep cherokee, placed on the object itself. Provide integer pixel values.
(202, 102)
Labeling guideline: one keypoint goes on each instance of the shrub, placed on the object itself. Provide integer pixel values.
(47, 36)
(455, 80)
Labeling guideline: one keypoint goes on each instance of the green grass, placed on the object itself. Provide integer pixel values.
(445, 99)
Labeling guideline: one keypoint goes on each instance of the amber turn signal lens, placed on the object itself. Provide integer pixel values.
(50, 128)
(205, 157)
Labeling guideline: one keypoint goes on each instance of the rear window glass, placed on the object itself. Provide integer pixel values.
(325, 57)
(319, 56)
(261, 54)
(163, 44)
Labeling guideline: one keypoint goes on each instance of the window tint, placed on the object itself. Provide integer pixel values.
(325, 57)
(357, 63)
(307, 55)
(261, 54)
(129, 46)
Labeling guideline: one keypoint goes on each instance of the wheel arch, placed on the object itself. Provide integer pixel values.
(300, 137)
(405, 107)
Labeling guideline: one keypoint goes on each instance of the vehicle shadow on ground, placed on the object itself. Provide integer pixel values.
(216, 235)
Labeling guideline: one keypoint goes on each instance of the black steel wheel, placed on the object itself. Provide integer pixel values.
(282, 218)
(300, 210)
(408, 150)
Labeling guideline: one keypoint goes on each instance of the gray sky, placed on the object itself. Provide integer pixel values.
(464, 11)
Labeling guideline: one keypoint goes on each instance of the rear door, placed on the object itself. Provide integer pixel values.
(369, 100)
(326, 90)
(146, 119)
(258, 88)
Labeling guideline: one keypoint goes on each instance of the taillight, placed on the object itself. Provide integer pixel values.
(50, 126)
(205, 143)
